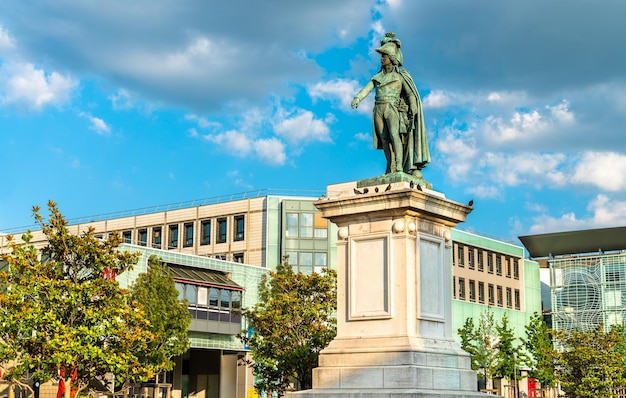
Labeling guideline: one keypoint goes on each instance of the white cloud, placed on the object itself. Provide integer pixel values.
(459, 151)
(606, 170)
(202, 121)
(122, 100)
(363, 136)
(271, 151)
(527, 126)
(23, 84)
(6, 41)
(302, 127)
(337, 90)
(437, 99)
(98, 125)
(234, 142)
(485, 192)
(604, 212)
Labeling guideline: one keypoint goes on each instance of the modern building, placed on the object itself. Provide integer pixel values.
(489, 273)
(587, 276)
(253, 228)
(493, 275)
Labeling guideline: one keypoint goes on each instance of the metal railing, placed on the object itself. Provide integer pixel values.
(180, 205)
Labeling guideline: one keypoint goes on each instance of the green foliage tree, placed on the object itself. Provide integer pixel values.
(60, 310)
(481, 343)
(292, 322)
(541, 359)
(169, 318)
(591, 363)
(509, 353)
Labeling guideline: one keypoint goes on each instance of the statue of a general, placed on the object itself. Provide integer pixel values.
(398, 118)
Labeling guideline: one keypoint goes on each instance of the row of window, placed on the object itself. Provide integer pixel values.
(474, 291)
(307, 262)
(306, 225)
(171, 240)
(474, 258)
(211, 303)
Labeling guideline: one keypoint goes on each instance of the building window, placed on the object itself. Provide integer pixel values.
(203, 293)
(490, 263)
(490, 294)
(127, 237)
(239, 228)
(460, 256)
(188, 234)
(156, 237)
(220, 257)
(517, 300)
(509, 298)
(190, 294)
(181, 290)
(173, 236)
(498, 264)
(142, 237)
(305, 262)
(320, 261)
(291, 230)
(238, 257)
(479, 260)
(507, 266)
(321, 226)
(213, 297)
(453, 287)
(235, 300)
(221, 230)
(461, 288)
(224, 298)
(470, 258)
(516, 268)
(205, 230)
(481, 292)
(499, 297)
(306, 225)
(472, 290)
(292, 259)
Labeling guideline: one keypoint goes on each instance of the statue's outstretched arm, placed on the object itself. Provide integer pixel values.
(362, 94)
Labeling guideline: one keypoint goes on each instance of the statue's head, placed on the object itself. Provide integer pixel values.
(390, 45)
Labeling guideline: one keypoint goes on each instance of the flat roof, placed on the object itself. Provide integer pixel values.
(575, 242)
(202, 276)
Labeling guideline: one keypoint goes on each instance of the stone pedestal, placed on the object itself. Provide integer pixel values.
(394, 336)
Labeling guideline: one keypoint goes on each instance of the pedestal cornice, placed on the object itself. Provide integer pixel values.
(397, 202)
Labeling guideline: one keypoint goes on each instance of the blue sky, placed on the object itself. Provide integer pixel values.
(117, 105)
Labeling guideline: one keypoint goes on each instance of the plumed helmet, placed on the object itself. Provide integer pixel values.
(390, 45)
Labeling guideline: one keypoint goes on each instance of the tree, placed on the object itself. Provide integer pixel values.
(508, 352)
(591, 363)
(292, 322)
(481, 343)
(169, 318)
(62, 312)
(538, 344)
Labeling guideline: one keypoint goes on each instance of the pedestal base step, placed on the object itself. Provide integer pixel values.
(392, 393)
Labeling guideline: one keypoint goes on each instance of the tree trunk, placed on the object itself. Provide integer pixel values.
(68, 388)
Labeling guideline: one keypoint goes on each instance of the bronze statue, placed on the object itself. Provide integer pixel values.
(398, 120)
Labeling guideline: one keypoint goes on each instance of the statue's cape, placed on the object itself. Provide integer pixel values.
(417, 141)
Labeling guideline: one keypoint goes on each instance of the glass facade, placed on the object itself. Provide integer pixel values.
(588, 291)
